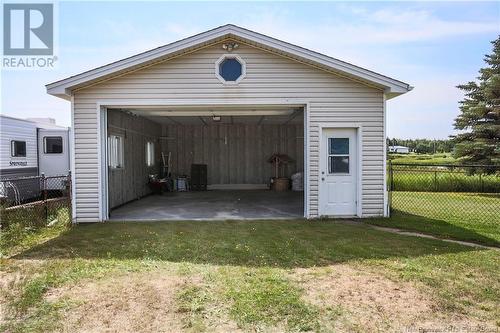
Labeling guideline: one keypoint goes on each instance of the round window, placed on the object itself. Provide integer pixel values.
(230, 69)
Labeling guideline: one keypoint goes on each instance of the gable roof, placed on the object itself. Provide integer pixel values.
(63, 88)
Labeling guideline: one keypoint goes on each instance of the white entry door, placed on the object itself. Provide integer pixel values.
(338, 172)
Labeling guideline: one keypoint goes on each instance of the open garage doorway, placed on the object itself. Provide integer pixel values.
(205, 163)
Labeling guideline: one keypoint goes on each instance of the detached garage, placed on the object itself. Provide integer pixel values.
(228, 124)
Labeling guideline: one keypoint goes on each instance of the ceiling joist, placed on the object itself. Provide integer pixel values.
(210, 113)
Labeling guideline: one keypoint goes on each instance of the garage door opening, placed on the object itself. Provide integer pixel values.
(199, 163)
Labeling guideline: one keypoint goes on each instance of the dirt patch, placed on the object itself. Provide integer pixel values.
(136, 302)
(348, 298)
(12, 274)
(130, 303)
(359, 300)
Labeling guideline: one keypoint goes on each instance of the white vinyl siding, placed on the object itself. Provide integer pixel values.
(332, 99)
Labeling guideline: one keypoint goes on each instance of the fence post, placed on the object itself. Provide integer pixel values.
(391, 188)
(43, 180)
(435, 181)
(391, 177)
(70, 195)
(481, 182)
(69, 185)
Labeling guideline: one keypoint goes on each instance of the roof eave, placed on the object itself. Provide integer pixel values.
(66, 85)
(391, 86)
(396, 91)
(59, 91)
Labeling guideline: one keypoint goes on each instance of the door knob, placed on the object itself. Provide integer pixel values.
(322, 179)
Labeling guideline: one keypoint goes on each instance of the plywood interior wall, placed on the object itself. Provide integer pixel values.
(131, 182)
(234, 153)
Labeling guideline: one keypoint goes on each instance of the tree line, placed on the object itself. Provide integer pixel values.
(424, 146)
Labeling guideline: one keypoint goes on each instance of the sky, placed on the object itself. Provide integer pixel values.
(433, 46)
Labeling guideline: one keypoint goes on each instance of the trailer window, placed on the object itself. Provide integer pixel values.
(150, 154)
(18, 148)
(115, 152)
(52, 144)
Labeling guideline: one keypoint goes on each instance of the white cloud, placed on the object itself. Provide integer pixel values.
(428, 111)
(385, 26)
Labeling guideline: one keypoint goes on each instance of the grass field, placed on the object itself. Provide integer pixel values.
(432, 177)
(440, 158)
(442, 180)
(463, 216)
(444, 201)
(24, 227)
(276, 276)
(234, 276)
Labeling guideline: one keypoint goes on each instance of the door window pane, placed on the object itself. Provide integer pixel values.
(53, 145)
(338, 164)
(338, 146)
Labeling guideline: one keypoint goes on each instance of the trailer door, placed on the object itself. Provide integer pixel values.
(53, 152)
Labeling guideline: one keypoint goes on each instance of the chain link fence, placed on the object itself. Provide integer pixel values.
(445, 192)
(34, 202)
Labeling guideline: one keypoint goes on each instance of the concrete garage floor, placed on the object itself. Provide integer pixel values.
(213, 205)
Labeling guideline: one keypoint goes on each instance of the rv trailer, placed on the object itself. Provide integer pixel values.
(30, 148)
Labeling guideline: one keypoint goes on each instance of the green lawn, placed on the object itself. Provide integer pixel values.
(22, 228)
(463, 216)
(248, 276)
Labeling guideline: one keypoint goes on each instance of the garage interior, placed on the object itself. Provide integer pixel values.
(218, 163)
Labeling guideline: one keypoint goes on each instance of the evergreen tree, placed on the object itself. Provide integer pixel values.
(479, 143)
